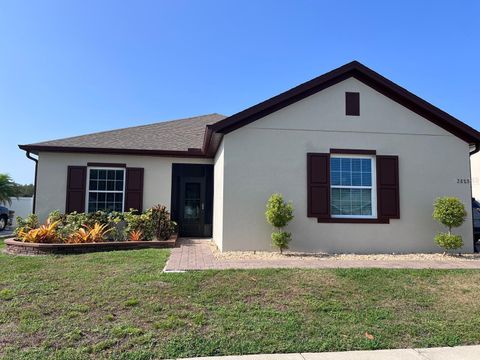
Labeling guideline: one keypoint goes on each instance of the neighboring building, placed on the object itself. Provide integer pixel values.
(361, 158)
(23, 206)
(475, 170)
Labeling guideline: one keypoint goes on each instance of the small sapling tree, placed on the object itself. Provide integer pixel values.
(450, 212)
(278, 214)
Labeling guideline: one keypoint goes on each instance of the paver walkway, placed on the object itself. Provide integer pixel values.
(444, 353)
(196, 254)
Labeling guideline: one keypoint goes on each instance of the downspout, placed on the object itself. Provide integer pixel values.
(29, 156)
(477, 149)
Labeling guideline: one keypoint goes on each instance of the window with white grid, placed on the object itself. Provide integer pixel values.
(352, 186)
(106, 189)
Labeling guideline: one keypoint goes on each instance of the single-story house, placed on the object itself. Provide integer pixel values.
(361, 158)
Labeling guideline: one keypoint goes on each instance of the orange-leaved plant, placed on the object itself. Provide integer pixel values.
(46, 233)
(96, 233)
(136, 235)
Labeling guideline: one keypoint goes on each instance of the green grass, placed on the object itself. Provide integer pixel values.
(121, 305)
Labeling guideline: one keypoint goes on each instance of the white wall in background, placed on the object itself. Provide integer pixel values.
(22, 206)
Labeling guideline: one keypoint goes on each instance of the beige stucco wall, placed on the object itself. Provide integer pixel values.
(218, 175)
(475, 169)
(269, 155)
(52, 177)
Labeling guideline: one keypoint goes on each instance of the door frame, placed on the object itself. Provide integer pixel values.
(181, 172)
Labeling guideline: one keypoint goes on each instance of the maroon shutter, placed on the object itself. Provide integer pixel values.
(388, 199)
(76, 185)
(352, 103)
(134, 189)
(318, 183)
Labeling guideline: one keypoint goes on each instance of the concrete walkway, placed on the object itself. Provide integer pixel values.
(444, 353)
(196, 254)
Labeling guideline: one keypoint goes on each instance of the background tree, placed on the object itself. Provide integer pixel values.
(278, 214)
(25, 190)
(450, 212)
(7, 189)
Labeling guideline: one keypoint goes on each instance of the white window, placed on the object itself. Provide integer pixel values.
(352, 186)
(105, 189)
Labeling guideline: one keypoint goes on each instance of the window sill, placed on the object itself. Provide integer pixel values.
(354, 220)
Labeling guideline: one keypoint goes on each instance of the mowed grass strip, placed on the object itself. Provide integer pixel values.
(121, 305)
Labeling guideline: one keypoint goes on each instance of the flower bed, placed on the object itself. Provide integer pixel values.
(16, 247)
(97, 231)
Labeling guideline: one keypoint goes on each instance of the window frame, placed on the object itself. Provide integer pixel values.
(372, 187)
(87, 192)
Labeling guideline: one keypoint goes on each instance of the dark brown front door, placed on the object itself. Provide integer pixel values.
(192, 199)
(192, 206)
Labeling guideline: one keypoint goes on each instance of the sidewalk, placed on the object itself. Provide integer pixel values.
(444, 353)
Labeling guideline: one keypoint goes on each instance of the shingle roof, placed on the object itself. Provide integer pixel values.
(174, 135)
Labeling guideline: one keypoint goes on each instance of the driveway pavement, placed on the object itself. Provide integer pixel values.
(8, 232)
(196, 254)
(444, 353)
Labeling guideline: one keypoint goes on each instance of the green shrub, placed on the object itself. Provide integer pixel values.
(449, 241)
(70, 223)
(278, 214)
(280, 239)
(154, 222)
(23, 225)
(164, 226)
(450, 212)
(143, 222)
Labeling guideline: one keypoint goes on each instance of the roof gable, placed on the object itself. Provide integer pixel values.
(200, 136)
(367, 76)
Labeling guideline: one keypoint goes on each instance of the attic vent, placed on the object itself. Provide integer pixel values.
(352, 103)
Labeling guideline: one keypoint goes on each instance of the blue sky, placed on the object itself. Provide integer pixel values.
(74, 67)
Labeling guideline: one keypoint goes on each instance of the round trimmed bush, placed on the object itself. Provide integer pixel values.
(449, 241)
(449, 211)
(280, 239)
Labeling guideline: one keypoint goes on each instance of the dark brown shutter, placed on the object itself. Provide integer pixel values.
(352, 103)
(388, 199)
(76, 185)
(318, 183)
(134, 189)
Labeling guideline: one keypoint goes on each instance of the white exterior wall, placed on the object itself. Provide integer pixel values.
(269, 155)
(475, 169)
(22, 206)
(52, 177)
(218, 175)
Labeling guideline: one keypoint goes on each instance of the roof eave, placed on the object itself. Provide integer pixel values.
(35, 149)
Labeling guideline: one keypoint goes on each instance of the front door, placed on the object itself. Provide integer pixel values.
(192, 206)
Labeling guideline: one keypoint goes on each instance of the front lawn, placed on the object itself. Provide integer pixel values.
(121, 305)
